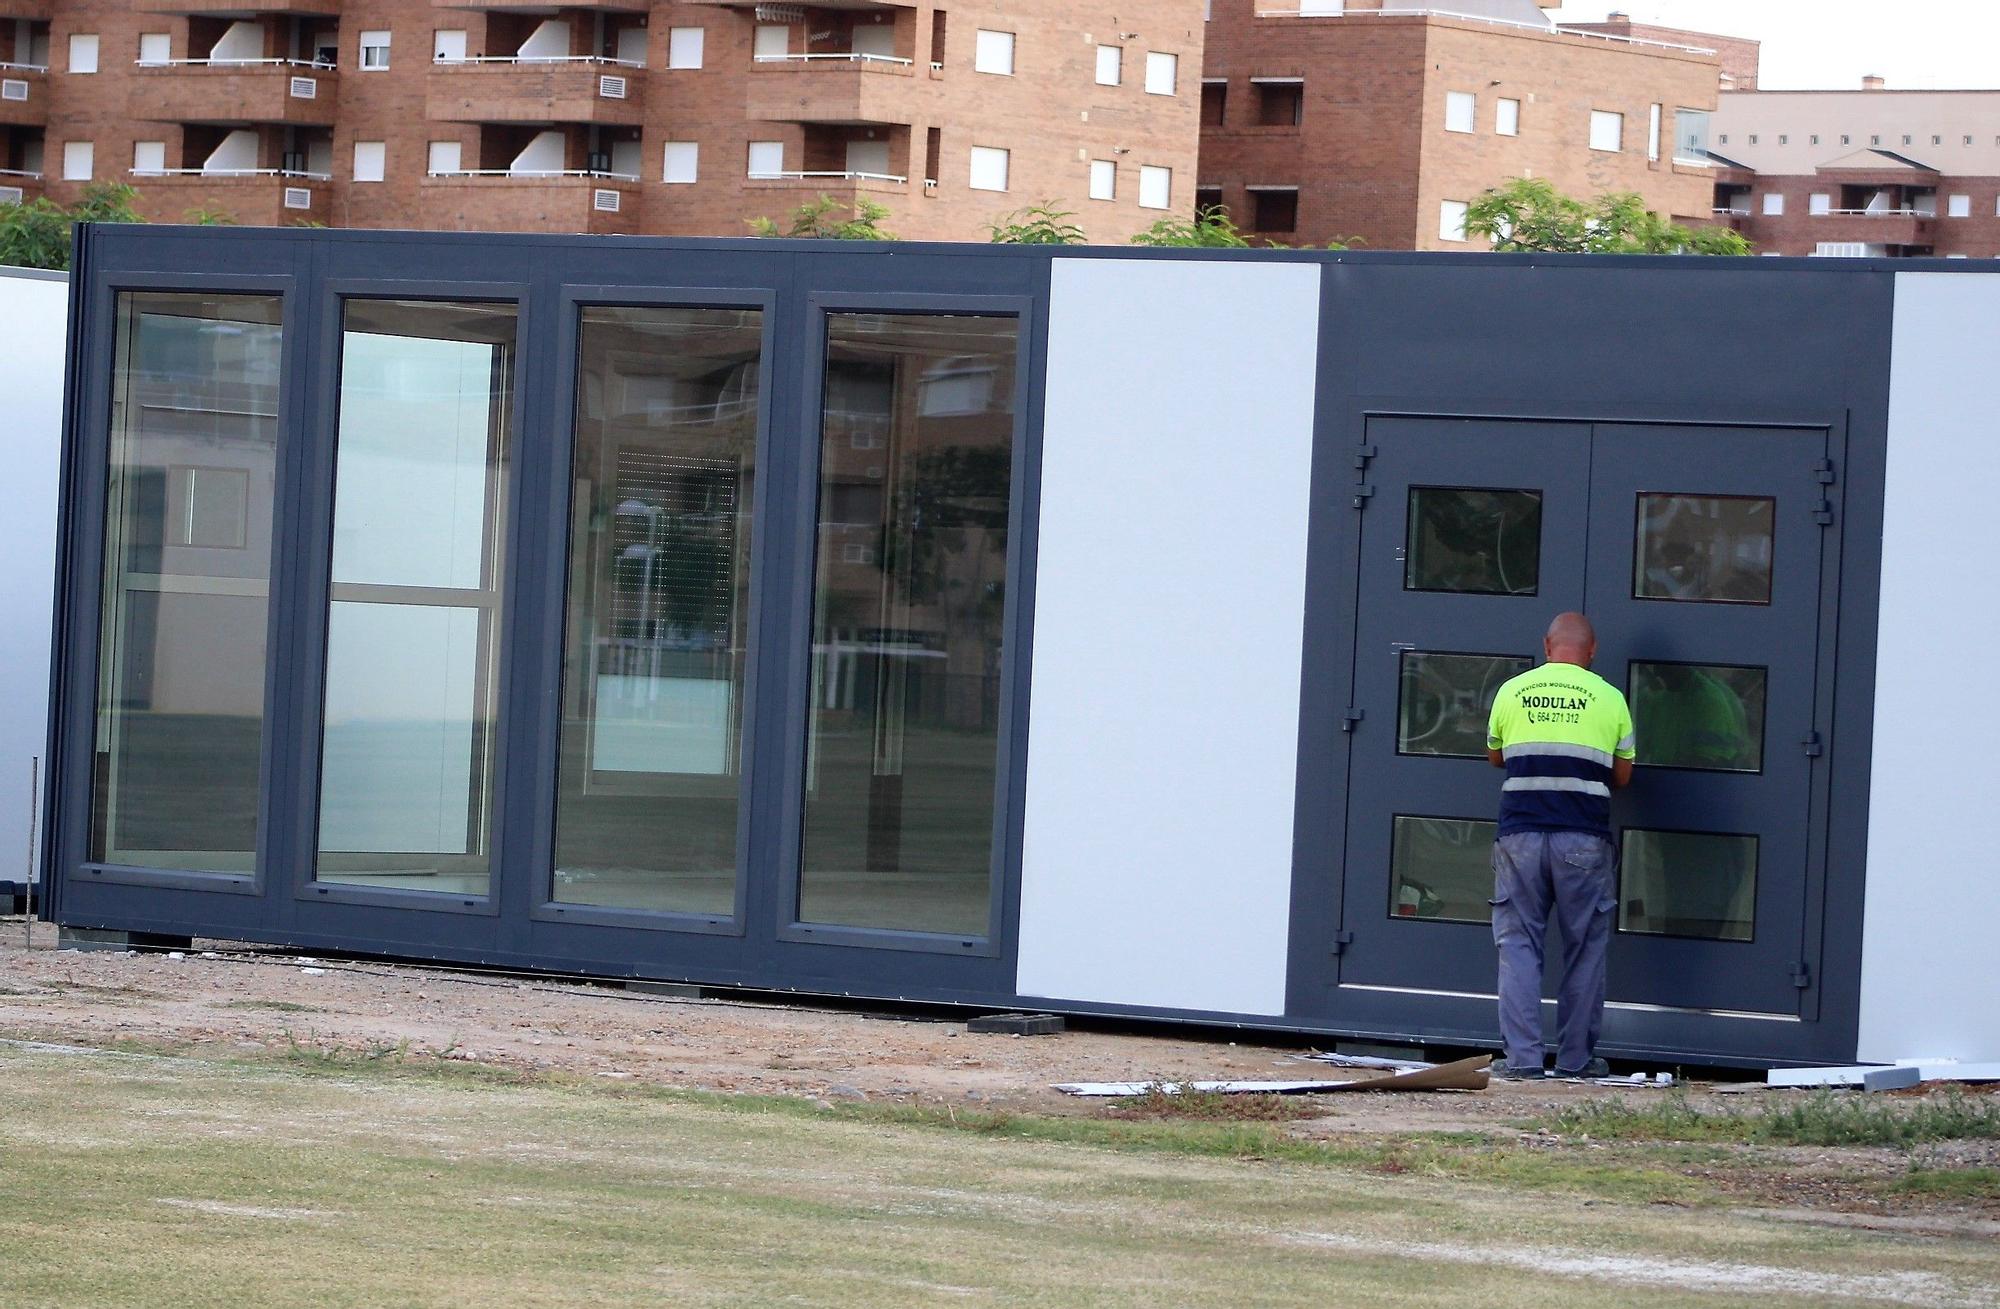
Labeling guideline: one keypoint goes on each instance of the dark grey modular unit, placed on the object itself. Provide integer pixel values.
(1091, 630)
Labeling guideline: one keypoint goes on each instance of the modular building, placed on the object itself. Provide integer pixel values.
(1091, 630)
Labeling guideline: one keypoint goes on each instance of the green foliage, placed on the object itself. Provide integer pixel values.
(820, 220)
(205, 217)
(37, 234)
(1823, 1118)
(1212, 229)
(1041, 224)
(1529, 215)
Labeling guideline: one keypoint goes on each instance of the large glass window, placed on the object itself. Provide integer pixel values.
(1714, 548)
(915, 468)
(186, 586)
(658, 614)
(1442, 869)
(1699, 716)
(1694, 884)
(1469, 539)
(1445, 700)
(420, 483)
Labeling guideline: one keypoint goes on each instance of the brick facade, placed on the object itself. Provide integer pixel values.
(1741, 57)
(1370, 154)
(918, 110)
(1896, 173)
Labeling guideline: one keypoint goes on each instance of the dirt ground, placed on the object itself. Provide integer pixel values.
(234, 998)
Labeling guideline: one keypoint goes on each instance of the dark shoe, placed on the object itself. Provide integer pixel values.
(1595, 1068)
(1507, 1072)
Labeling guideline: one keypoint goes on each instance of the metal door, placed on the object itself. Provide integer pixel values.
(1697, 553)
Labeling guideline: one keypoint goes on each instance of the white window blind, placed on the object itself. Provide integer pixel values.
(989, 168)
(1507, 118)
(149, 156)
(369, 160)
(1110, 65)
(448, 45)
(444, 157)
(684, 46)
(1162, 72)
(1821, 203)
(1774, 205)
(82, 53)
(1103, 179)
(155, 48)
(1958, 206)
(773, 41)
(993, 52)
(1461, 111)
(767, 158)
(1607, 130)
(1156, 187)
(79, 161)
(683, 159)
(374, 51)
(1451, 220)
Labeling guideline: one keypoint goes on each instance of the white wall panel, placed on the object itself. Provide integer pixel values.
(1933, 902)
(35, 308)
(1170, 593)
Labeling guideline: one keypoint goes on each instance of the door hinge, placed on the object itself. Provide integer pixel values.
(1350, 718)
(1822, 513)
(1823, 470)
(1814, 747)
(1363, 492)
(1802, 974)
(1341, 940)
(1363, 455)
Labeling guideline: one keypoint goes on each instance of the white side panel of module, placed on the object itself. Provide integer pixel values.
(35, 309)
(1933, 891)
(1169, 609)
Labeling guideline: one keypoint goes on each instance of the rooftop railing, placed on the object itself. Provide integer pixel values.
(1428, 12)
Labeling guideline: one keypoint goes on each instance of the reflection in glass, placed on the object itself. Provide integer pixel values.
(1445, 700)
(1712, 548)
(186, 590)
(1477, 541)
(915, 468)
(659, 590)
(1699, 716)
(1693, 884)
(406, 776)
(1442, 869)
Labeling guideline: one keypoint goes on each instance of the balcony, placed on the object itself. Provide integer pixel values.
(237, 8)
(500, 200)
(254, 197)
(18, 187)
(542, 7)
(578, 89)
(34, 11)
(236, 91)
(1876, 227)
(24, 95)
(786, 191)
(836, 88)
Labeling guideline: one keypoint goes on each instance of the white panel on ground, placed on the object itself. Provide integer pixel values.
(1931, 913)
(1157, 866)
(35, 306)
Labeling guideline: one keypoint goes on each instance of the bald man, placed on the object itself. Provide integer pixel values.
(1564, 735)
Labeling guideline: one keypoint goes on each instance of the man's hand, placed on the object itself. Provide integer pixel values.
(1621, 773)
(1497, 759)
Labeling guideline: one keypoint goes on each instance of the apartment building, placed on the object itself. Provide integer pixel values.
(1872, 171)
(1741, 58)
(1324, 120)
(682, 117)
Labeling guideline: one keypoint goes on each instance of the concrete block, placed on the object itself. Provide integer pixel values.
(1016, 1024)
(1890, 1079)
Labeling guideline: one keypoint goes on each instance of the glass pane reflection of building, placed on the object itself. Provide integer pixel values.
(1474, 541)
(657, 627)
(420, 484)
(910, 592)
(1692, 884)
(1442, 869)
(1704, 548)
(1446, 699)
(1699, 716)
(186, 589)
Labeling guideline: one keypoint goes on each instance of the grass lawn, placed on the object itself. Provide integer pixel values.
(131, 1179)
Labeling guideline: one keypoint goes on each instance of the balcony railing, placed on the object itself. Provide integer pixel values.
(295, 91)
(533, 174)
(790, 176)
(232, 172)
(23, 68)
(840, 57)
(537, 59)
(24, 101)
(233, 63)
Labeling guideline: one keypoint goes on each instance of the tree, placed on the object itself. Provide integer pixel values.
(1041, 224)
(1529, 214)
(37, 234)
(819, 220)
(1211, 229)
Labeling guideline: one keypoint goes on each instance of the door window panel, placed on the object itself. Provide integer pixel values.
(1690, 884)
(1715, 549)
(1473, 540)
(1441, 869)
(1445, 699)
(915, 468)
(186, 587)
(1708, 716)
(658, 608)
(420, 483)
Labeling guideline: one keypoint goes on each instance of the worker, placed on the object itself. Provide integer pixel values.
(1564, 735)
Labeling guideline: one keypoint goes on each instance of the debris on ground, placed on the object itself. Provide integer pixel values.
(1460, 1075)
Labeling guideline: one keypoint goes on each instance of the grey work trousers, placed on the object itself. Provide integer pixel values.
(1573, 874)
